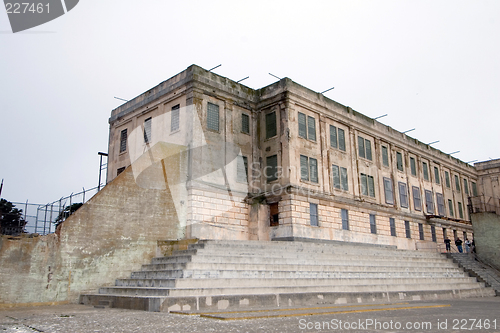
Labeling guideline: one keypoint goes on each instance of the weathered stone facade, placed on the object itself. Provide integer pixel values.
(314, 168)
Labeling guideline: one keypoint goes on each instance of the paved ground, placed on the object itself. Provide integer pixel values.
(468, 315)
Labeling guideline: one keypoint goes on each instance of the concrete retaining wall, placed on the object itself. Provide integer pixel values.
(487, 237)
(107, 238)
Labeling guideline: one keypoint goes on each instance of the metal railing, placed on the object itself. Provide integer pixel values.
(484, 204)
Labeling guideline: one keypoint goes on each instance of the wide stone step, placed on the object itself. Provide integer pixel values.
(295, 259)
(252, 274)
(346, 267)
(258, 249)
(281, 282)
(234, 290)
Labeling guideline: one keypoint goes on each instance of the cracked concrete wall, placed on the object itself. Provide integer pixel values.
(110, 236)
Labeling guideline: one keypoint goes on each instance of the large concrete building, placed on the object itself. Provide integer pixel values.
(285, 162)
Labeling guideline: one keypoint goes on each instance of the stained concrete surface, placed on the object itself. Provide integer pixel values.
(458, 316)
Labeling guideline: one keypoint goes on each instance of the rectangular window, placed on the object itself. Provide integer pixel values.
(245, 123)
(343, 179)
(433, 233)
(385, 156)
(421, 231)
(413, 166)
(447, 179)
(436, 175)
(313, 168)
(333, 137)
(457, 183)
(373, 224)
(304, 168)
(367, 185)
(123, 140)
(174, 118)
(403, 194)
(147, 130)
(474, 189)
(242, 169)
(464, 233)
(361, 147)
(399, 160)
(271, 125)
(368, 147)
(272, 168)
(407, 229)
(213, 117)
(345, 219)
(466, 187)
(392, 223)
(302, 126)
(440, 204)
(336, 176)
(389, 194)
(417, 201)
(311, 128)
(460, 211)
(429, 202)
(120, 170)
(313, 213)
(444, 233)
(450, 207)
(425, 169)
(341, 139)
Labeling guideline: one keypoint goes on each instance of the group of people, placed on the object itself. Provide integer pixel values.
(469, 246)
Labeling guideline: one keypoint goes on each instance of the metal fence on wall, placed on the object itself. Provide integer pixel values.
(41, 218)
(484, 204)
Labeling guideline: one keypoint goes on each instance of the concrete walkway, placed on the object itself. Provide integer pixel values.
(456, 315)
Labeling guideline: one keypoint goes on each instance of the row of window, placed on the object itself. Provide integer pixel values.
(344, 214)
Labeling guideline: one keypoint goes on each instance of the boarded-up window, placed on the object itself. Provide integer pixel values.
(147, 130)
(389, 195)
(403, 194)
(174, 118)
(417, 201)
(123, 140)
(271, 125)
(429, 202)
(213, 117)
(245, 123)
(440, 204)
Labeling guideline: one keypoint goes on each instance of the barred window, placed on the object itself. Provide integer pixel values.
(308, 169)
(271, 168)
(417, 201)
(450, 207)
(339, 176)
(399, 160)
(436, 175)
(271, 125)
(213, 117)
(373, 224)
(367, 185)
(385, 156)
(147, 130)
(429, 202)
(311, 128)
(123, 140)
(407, 229)
(174, 118)
(421, 231)
(425, 169)
(392, 223)
(413, 166)
(245, 123)
(364, 148)
(341, 139)
(313, 214)
(440, 204)
(343, 179)
(344, 213)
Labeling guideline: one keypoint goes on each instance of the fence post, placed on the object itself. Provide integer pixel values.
(36, 220)
(45, 219)
(83, 195)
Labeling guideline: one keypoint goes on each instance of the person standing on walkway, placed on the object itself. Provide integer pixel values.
(447, 242)
(467, 245)
(458, 243)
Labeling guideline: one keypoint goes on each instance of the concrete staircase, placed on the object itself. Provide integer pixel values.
(216, 275)
(476, 268)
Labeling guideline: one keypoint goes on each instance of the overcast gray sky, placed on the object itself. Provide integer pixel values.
(430, 65)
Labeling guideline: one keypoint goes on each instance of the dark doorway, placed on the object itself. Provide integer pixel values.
(274, 215)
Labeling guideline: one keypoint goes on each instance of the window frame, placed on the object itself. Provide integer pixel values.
(437, 179)
(421, 234)
(175, 118)
(273, 176)
(270, 119)
(392, 226)
(399, 161)
(440, 204)
(365, 148)
(385, 156)
(148, 128)
(451, 208)
(425, 171)
(403, 195)
(245, 126)
(417, 198)
(369, 185)
(242, 168)
(373, 224)
(447, 179)
(123, 140)
(388, 188)
(413, 166)
(344, 215)
(408, 229)
(429, 201)
(313, 217)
